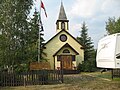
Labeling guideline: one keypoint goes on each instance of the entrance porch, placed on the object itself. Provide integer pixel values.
(65, 58)
(65, 62)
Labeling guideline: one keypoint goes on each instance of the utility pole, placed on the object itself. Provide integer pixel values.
(39, 44)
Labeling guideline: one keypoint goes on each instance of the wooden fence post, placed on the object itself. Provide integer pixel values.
(112, 73)
(24, 80)
(0, 79)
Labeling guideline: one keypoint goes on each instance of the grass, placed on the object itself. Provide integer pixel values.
(106, 75)
(94, 81)
(116, 79)
(83, 81)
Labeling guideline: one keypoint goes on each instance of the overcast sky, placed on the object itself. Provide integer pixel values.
(94, 12)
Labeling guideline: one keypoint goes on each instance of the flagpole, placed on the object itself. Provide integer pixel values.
(39, 45)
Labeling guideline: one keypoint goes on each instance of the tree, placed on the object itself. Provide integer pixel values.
(13, 30)
(86, 42)
(33, 37)
(89, 52)
(113, 25)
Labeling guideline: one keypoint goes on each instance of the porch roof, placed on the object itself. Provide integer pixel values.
(66, 45)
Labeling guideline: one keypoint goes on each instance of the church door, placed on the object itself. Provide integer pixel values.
(66, 62)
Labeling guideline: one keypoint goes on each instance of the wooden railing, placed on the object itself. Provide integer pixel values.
(31, 78)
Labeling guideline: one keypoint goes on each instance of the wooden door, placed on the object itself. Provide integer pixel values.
(66, 62)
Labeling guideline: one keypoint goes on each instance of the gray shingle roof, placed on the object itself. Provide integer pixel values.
(62, 14)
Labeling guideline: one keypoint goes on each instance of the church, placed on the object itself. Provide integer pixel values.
(63, 50)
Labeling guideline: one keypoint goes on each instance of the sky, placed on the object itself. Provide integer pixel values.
(94, 13)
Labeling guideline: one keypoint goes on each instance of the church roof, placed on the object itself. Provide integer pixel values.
(66, 45)
(68, 34)
(62, 14)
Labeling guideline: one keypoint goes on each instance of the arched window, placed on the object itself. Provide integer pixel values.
(62, 25)
(66, 51)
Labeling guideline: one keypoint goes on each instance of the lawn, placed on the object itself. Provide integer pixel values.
(83, 81)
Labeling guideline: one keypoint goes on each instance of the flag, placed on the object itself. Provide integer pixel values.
(42, 6)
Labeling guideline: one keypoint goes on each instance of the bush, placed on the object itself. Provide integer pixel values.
(87, 66)
(21, 68)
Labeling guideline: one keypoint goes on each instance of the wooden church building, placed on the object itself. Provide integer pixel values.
(63, 50)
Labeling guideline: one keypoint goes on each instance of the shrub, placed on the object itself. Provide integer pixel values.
(87, 66)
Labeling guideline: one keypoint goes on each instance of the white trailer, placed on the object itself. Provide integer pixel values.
(108, 52)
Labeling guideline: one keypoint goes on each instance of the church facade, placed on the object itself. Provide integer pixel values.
(63, 50)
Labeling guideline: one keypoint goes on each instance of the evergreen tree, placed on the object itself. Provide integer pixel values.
(89, 52)
(35, 25)
(33, 37)
(86, 42)
(113, 25)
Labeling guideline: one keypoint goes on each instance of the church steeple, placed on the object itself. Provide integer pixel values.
(62, 22)
(62, 14)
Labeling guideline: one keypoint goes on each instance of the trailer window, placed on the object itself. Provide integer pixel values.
(118, 56)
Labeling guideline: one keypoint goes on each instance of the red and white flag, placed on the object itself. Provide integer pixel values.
(42, 6)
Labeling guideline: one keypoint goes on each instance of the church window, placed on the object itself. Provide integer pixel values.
(63, 37)
(58, 57)
(57, 25)
(66, 51)
(73, 57)
(63, 25)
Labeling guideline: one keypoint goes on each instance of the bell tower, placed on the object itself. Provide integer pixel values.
(62, 22)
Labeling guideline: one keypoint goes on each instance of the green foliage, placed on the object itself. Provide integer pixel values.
(18, 35)
(86, 42)
(34, 33)
(21, 68)
(113, 25)
(13, 29)
(88, 66)
(89, 52)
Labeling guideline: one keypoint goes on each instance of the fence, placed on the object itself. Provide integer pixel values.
(116, 73)
(31, 78)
